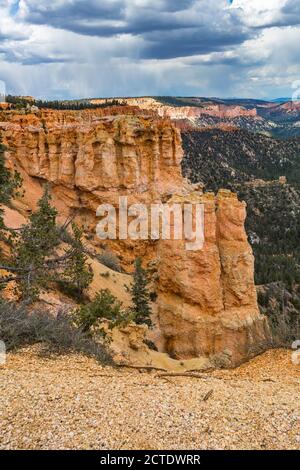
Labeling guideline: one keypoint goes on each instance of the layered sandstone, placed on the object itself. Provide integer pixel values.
(206, 298)
(220, 111)
(93, 157)
(94, 153)
(207, 303)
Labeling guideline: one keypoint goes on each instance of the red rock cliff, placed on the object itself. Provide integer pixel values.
(93, 153)
(206, 298)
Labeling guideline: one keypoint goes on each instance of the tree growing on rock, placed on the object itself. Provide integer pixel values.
(35, 248)
(36, 262)
(140, 295)
(78, 274)
(105, 306)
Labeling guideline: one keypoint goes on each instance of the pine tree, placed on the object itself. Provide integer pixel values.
(140, 295)
(34, 248)
(36, 262)
(78, 274)
(105, 306)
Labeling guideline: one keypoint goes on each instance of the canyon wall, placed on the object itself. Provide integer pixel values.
(95, 153)
(186, 112)
(206, 299)
(218, 111)
(91, 158)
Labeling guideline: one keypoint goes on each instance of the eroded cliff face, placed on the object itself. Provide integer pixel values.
(219, 111)
(81, 150)
(91, 159)
(186, 112)
(206, 299)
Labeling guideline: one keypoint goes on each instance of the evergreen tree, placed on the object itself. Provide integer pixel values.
(140, 295)
(105, 306)
(34, 248)
(35, 262)
(77, 275)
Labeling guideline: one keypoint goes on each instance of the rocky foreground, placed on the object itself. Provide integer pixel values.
(71, 402)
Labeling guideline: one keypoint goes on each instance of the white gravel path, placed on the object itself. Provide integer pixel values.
(65, 402)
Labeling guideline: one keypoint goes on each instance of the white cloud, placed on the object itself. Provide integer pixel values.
(64, 48)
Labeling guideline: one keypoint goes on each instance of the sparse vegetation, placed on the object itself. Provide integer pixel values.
(105, 275)
(223, 159)
(282, 306)
(36, 263)
(110, 260)
(20, 327)
(105, 306)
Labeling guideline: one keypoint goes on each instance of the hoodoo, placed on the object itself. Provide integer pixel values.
(206, 302)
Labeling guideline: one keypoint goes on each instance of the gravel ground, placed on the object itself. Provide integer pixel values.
(70, 402)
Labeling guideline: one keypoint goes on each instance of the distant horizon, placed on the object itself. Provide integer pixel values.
(206, 97)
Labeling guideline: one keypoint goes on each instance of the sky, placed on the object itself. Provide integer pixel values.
(64, 49)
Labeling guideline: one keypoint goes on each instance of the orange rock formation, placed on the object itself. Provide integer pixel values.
(206, 299)
(88, 152)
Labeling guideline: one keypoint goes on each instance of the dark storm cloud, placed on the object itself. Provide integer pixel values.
(107, 17)
(291, 12)
(191, 41)
(168, 28)
(76, 15)
(79, 15)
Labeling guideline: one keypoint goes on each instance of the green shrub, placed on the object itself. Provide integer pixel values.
(105, 306)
